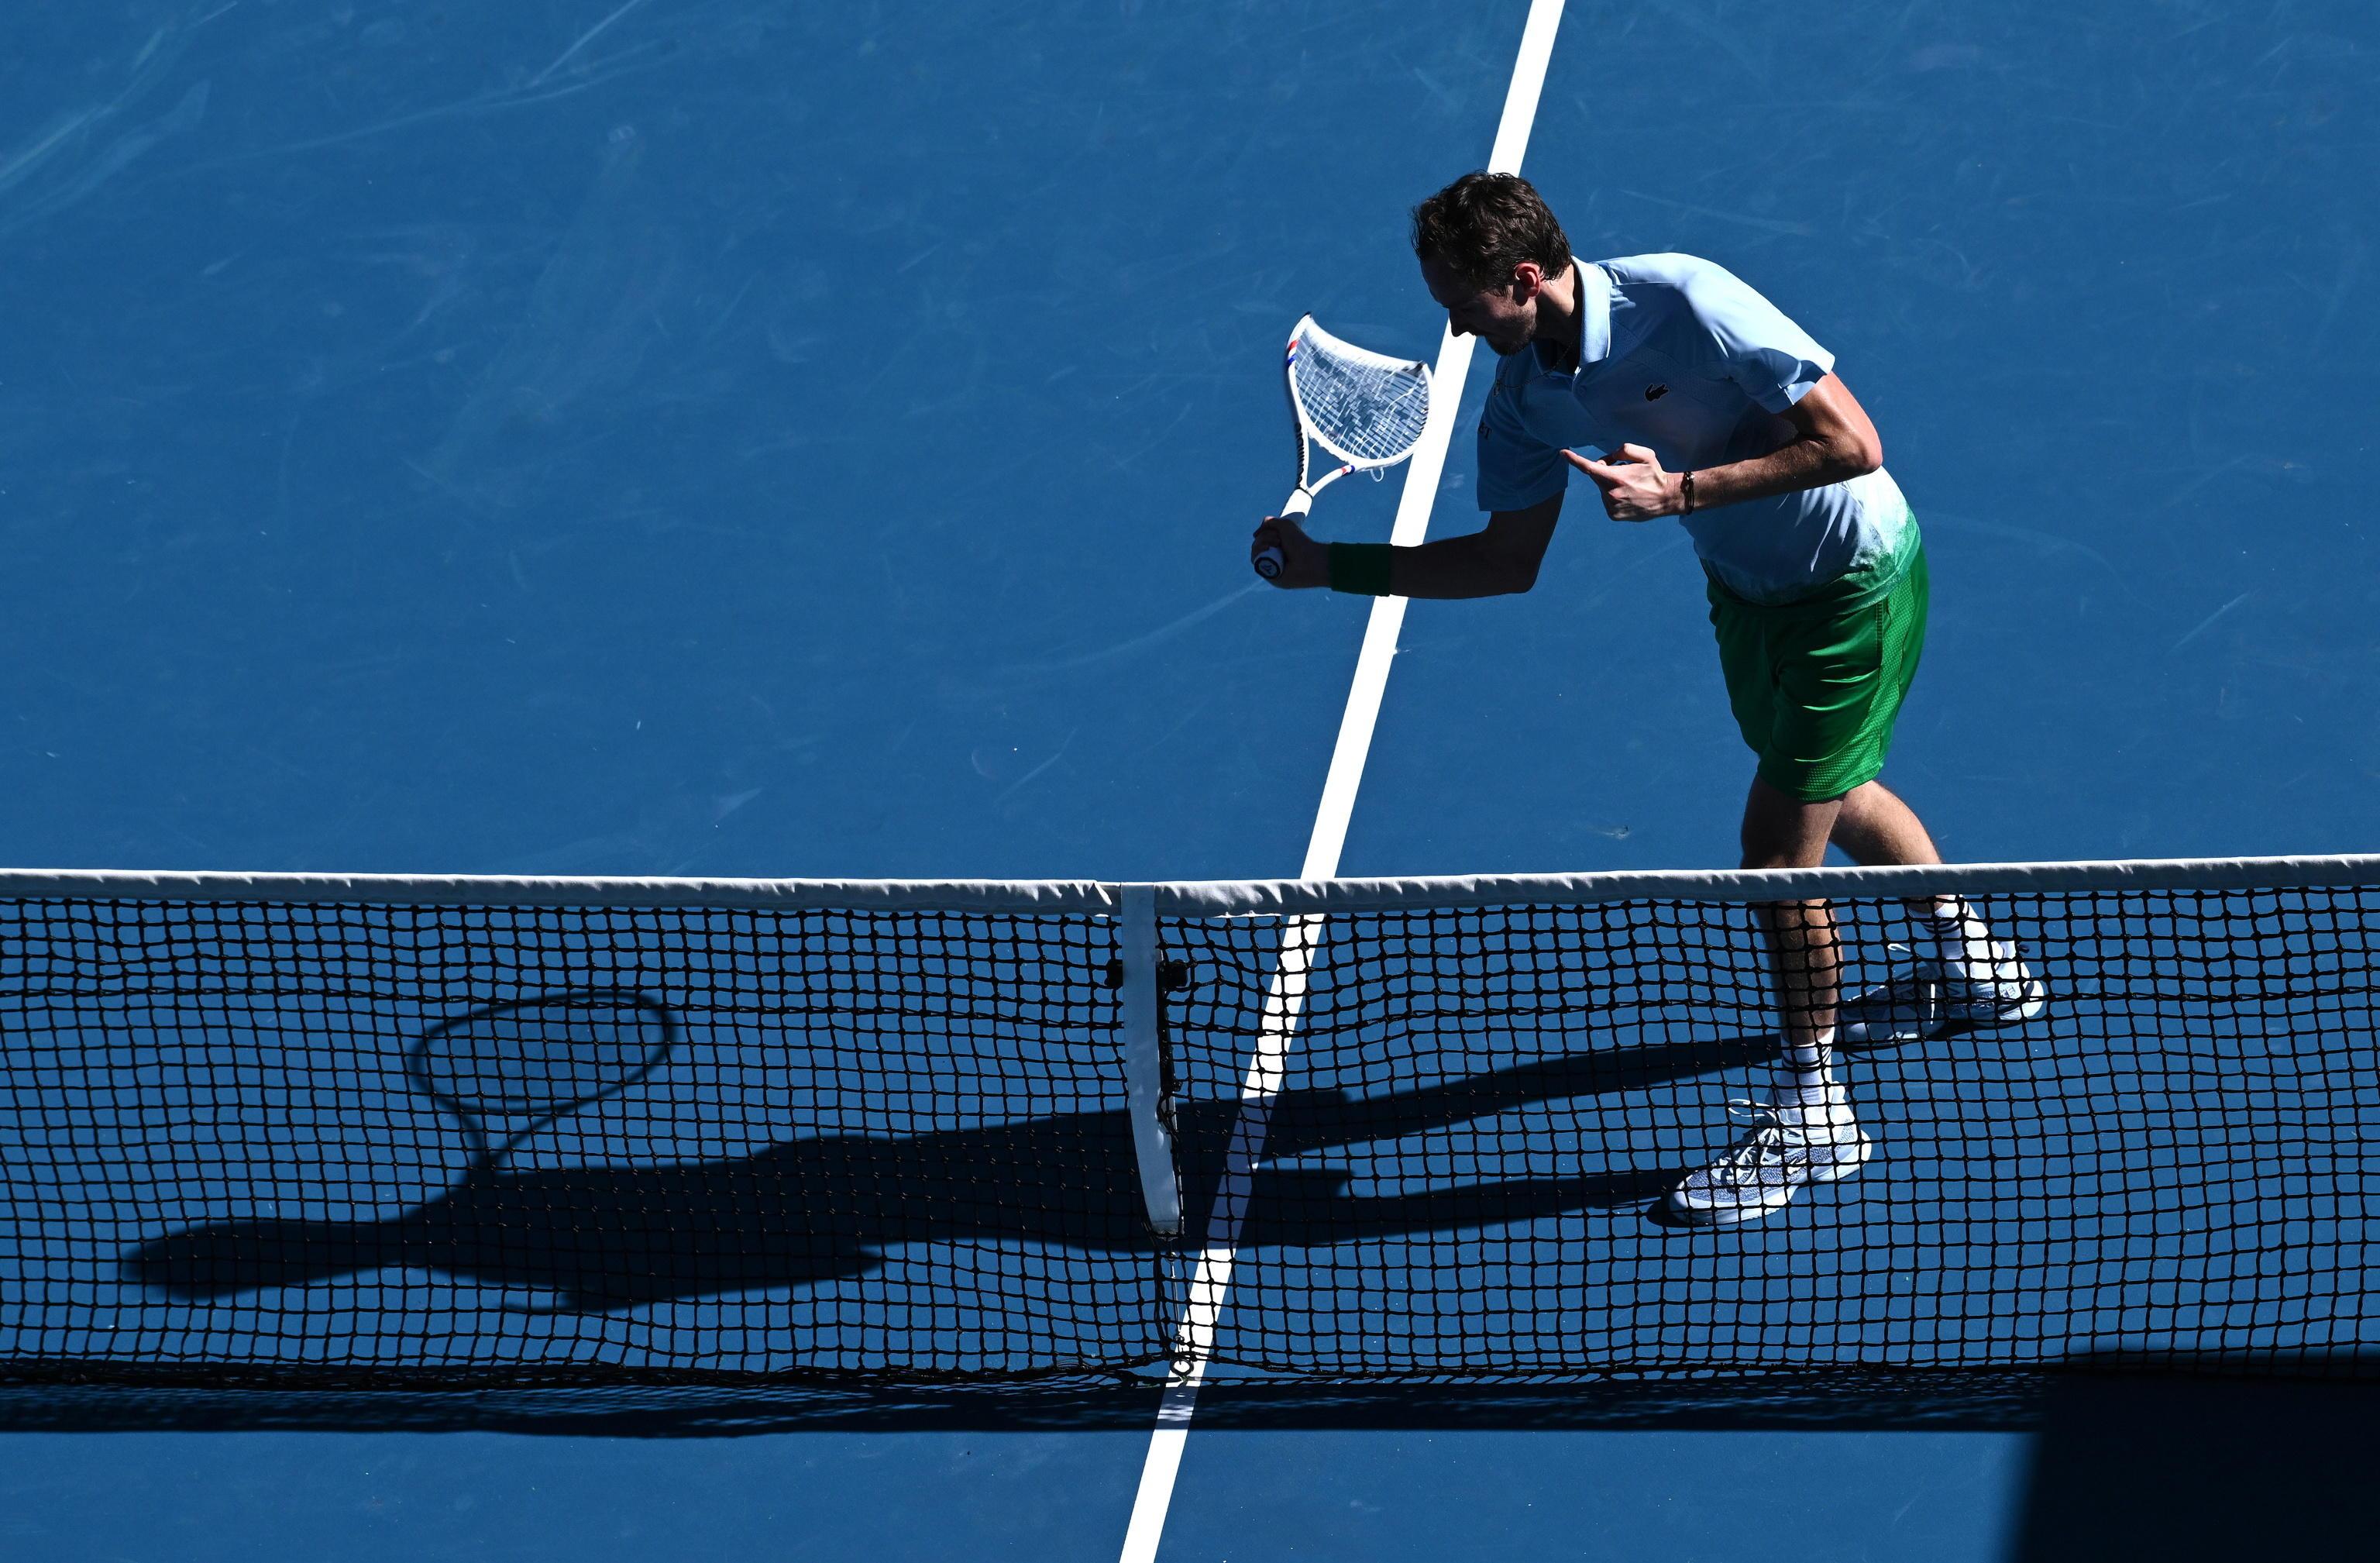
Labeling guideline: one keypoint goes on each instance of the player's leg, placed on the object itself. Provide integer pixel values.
(1806, 1133)
(1781, 831)
(1873, 825)
(1965, 975)
(1788, 815)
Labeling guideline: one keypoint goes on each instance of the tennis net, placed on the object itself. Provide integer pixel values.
(308, 1131)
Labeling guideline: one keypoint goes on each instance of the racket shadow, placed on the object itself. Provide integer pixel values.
(530, 1061)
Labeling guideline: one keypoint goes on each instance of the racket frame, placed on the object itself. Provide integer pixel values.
(1303, 428)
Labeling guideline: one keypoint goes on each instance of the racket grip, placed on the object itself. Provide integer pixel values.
(1269, 560)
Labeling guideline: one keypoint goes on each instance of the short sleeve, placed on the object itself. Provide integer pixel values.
(1516, 468)
(1773, 360)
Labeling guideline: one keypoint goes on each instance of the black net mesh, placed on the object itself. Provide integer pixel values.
(419, 1145)
(878, 1142)
(1485, 1108)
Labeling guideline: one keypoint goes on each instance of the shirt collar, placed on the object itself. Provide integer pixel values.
(1594, 313)
(1594, 323)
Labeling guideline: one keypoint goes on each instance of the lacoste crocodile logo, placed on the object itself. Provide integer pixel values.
(1654, 393)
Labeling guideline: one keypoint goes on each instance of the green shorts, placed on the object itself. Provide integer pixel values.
(1815, 684)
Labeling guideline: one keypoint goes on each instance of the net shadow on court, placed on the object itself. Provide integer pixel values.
(2135, 1456)
(2206, 1466)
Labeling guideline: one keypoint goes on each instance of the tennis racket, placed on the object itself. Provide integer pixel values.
(1363, 407)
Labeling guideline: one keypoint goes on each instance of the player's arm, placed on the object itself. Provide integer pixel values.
(1501, 557)
(1833, 440)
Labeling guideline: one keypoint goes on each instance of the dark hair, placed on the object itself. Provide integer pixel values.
(1482, 224)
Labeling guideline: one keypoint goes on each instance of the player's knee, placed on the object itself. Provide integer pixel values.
(1765, 846)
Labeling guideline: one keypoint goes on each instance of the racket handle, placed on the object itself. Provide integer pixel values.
(1269, 560)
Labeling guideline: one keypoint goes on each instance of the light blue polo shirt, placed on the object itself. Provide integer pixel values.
(1678, 354)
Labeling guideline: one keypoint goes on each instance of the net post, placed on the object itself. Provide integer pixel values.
(1141, 996)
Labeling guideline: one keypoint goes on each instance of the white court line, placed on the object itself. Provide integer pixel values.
(1286, 999)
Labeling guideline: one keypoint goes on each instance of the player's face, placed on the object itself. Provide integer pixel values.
(1505, 317)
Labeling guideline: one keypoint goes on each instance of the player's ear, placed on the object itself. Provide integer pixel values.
(1528, 277)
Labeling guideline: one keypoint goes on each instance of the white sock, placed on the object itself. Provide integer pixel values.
(1968, 950)
(1807, 1079)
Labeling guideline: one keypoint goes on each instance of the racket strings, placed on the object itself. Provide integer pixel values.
(1361, 407)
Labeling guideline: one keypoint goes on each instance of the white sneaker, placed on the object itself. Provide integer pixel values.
(1925, 1002)
(1787, 1147)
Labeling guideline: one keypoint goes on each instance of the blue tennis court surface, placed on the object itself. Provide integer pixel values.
(736, 439)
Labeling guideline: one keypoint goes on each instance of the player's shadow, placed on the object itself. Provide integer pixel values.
(828, 1206)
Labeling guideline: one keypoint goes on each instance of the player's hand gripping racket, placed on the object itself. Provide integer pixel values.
(1363, 407)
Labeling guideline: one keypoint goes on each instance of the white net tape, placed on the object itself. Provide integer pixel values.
(1362, 406)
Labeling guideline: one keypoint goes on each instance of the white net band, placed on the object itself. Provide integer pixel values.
(1193, 898)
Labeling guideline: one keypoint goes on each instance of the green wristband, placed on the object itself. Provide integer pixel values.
(1361, 568)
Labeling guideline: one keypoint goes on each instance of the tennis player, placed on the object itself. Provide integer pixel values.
(1710, 406)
